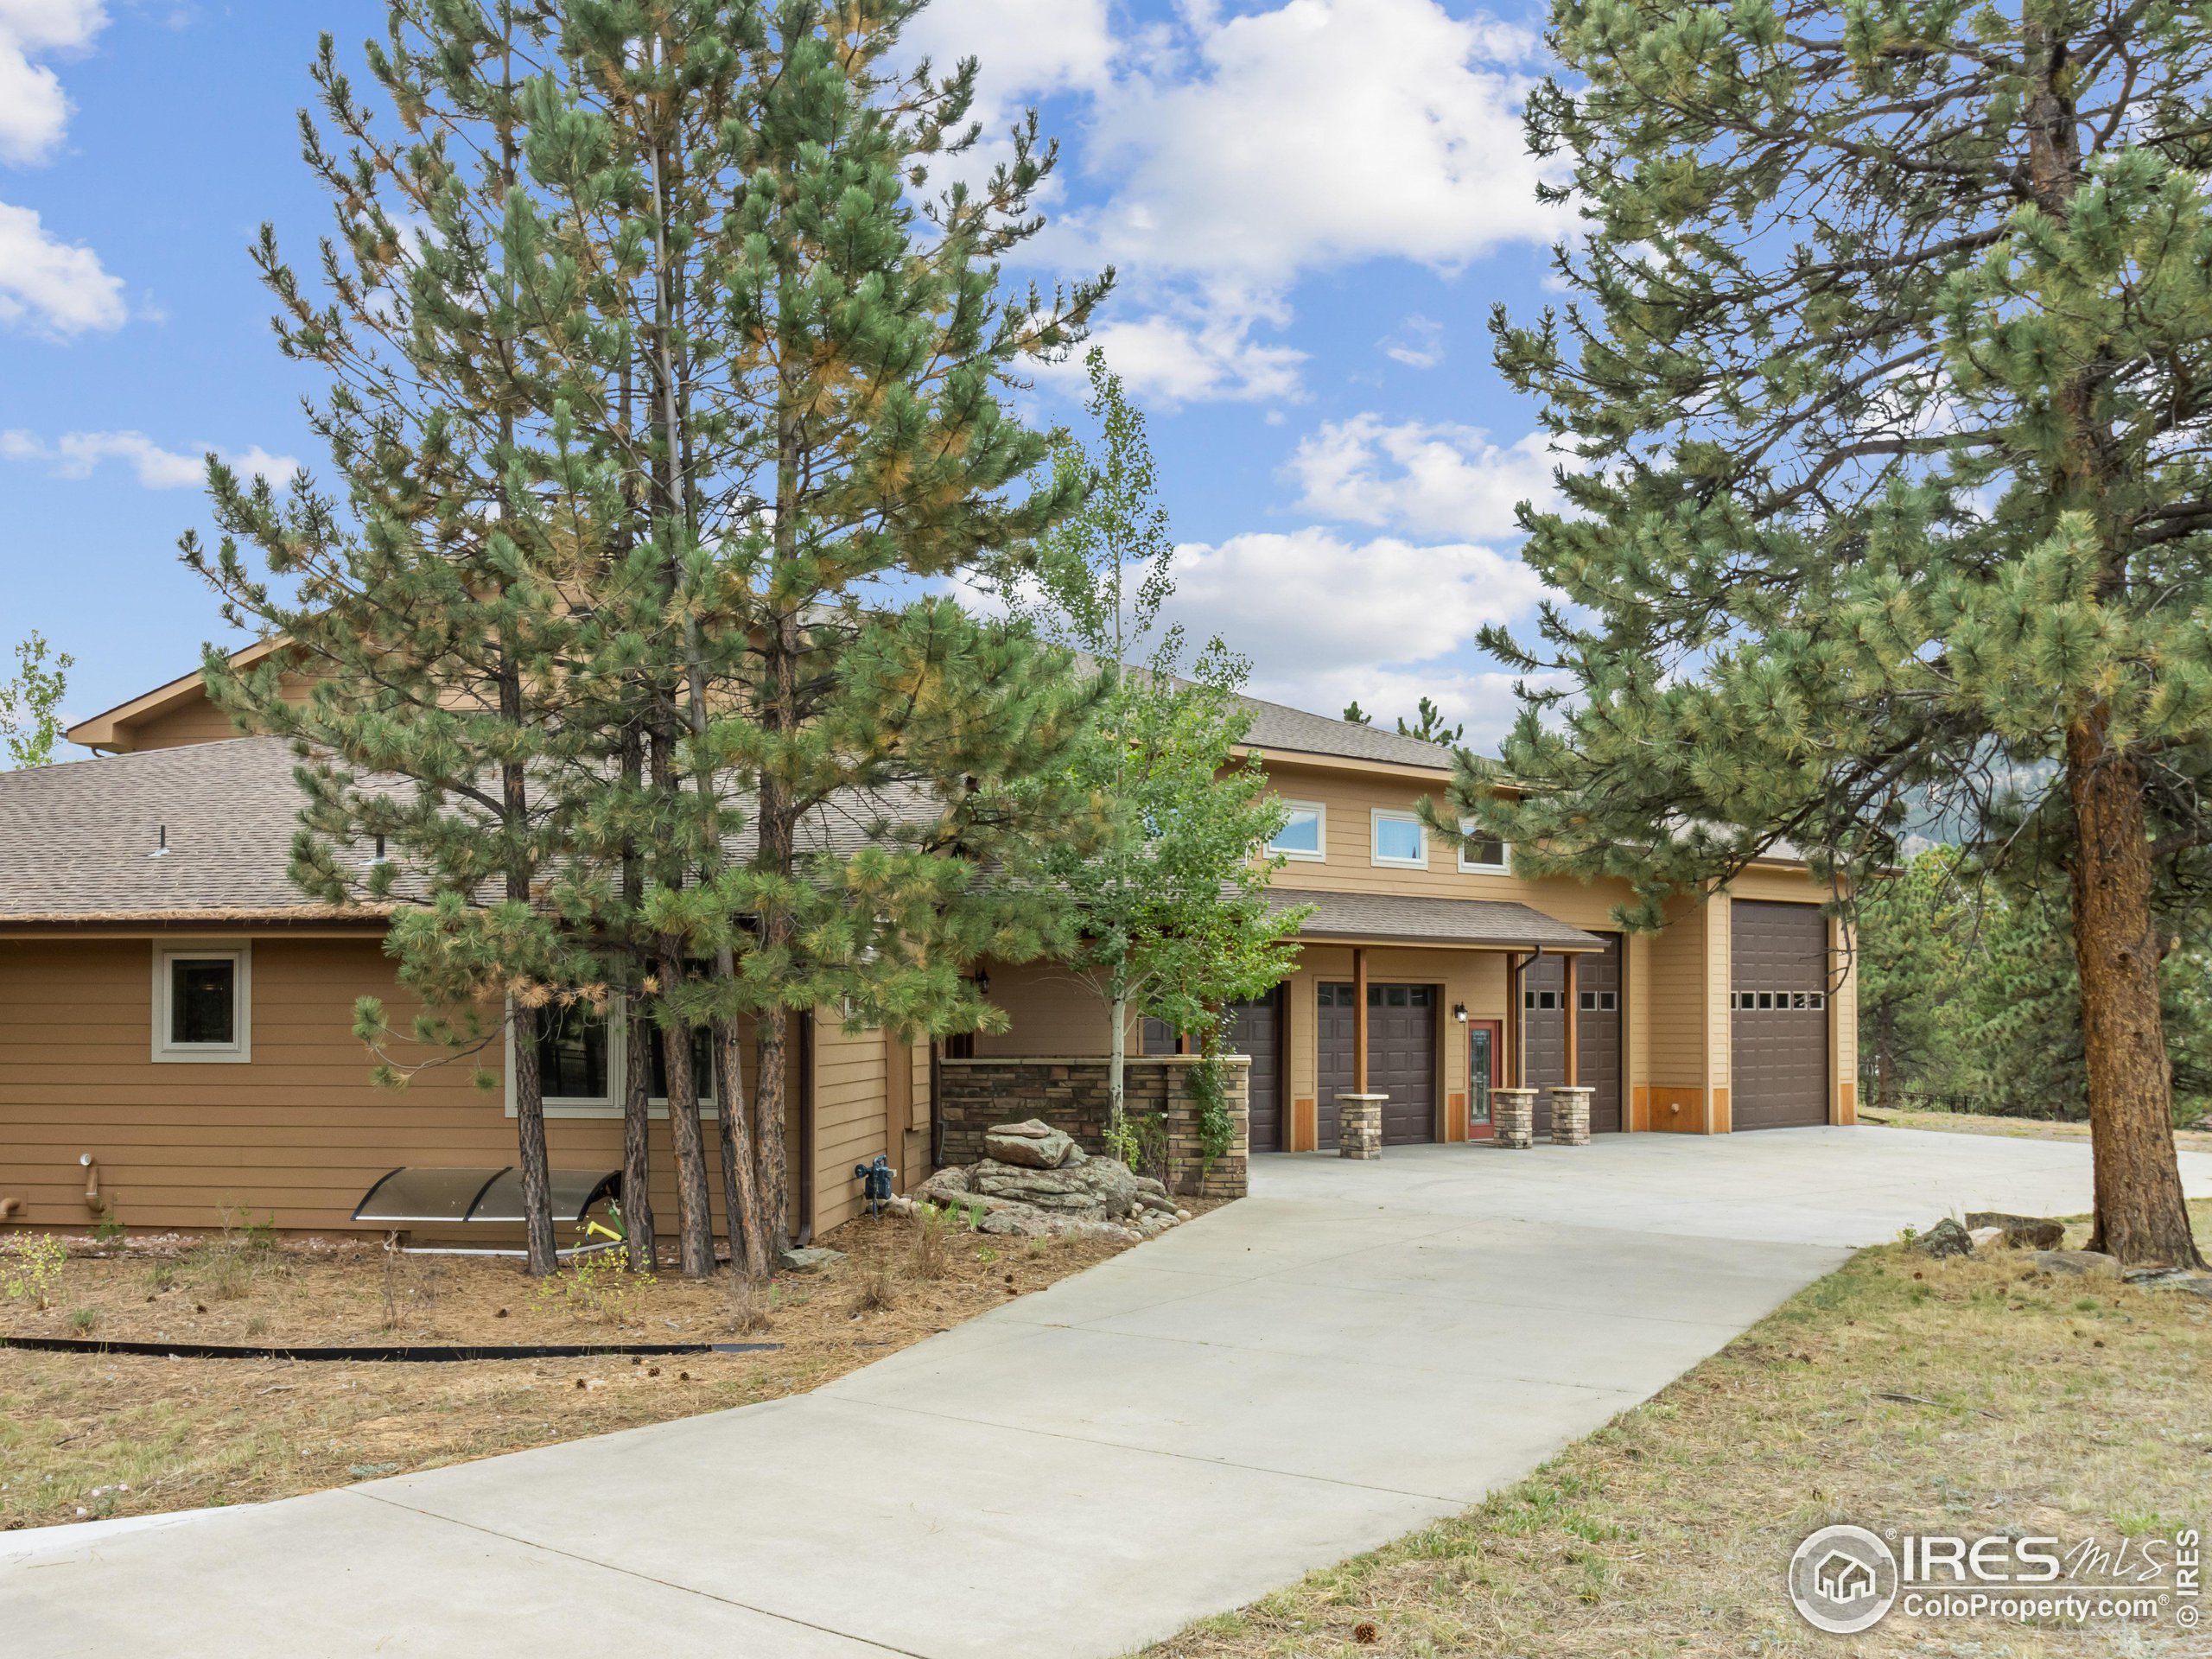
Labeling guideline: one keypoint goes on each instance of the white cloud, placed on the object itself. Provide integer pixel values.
(1320, 132)
(1240, 152)
(1418, 344)
(1481, 700)
(33, 110)
(57, 288)
(1433, 480)
(77, 455)
(1195, 353)
(1308, 600)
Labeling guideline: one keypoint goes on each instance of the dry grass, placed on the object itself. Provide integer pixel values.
(2016, 1129)
(95, 1436)
(2062, 1406)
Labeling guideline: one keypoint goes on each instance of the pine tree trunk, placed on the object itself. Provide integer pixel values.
(543, 1257)
(771, 1163)
(637, 1136)
(748, 1251)
(695, 1217)
(2141, 1215)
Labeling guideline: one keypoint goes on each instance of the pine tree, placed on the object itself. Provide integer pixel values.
(433, 604)
(1914, 938)
(1171, 899)
(1886, 368)
(30, 702)
(1431, 727)
(1356, 715)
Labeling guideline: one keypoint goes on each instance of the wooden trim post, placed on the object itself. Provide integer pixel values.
(1359, 1020)
(1573, 1023)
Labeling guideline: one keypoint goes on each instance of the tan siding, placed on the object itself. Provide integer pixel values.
(1050, 1011)
(196, 719)
(848, 1127)
(301, 1131)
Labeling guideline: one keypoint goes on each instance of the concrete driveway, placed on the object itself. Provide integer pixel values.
(1352, 1351)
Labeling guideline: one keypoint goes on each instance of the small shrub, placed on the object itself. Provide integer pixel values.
(932, 1256)
(878, 1292)
(161, 1276)
(596, 1288)
(30, 1269)
(225, 1276)
(84, 1320)
(257, 1325)
(108, 1230)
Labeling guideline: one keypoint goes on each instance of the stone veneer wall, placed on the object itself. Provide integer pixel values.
(1072, 1095)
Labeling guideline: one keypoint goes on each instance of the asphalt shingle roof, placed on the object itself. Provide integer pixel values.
(1444, 921)
(77, 840)
(1274, 726)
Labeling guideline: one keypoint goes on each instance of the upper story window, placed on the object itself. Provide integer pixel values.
(1304, 832)
(1484, 855)
(1401, 840)
(203, 1003)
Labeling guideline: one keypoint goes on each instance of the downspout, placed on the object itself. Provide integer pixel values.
(804, 1236)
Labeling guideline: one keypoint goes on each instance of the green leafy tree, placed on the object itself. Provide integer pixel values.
(1432, 727)
(1171, 899)
(30, 702)
(1886, 368)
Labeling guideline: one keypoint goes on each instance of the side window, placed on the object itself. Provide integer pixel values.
(1483, 853)
(1401, 840)
(203, 1003)
(1304, 834)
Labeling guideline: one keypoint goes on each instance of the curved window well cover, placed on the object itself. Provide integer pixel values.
(417, 1195)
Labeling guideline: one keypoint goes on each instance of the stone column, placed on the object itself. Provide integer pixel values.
(1513, 1112)
(1359, 1125)
(1570, 1117)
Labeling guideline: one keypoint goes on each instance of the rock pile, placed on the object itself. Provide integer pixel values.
(1034, 1181)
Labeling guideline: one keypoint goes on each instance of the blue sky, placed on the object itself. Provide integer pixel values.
(1312, 205)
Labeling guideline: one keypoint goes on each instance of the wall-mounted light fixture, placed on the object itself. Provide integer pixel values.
(982, 982)
(1459, 1012)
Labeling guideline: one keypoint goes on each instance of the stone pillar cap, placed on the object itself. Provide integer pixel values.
(1349, 1095)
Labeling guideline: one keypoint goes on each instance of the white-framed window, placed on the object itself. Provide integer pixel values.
(1305, 832)
(203, 1002)
(1483, 855)
(584, 1055)
(1401, 840)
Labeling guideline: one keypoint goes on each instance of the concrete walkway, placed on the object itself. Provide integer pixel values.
(1354, 1351)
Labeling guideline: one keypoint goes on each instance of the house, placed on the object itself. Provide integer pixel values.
(175, 1018)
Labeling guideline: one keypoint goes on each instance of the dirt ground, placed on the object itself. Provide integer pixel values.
(1900, 1394)
(86, 1435)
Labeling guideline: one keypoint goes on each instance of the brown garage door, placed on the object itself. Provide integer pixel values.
(1256, 1028)
(1400, 1057)
(1778, 1053)
(1597, 1031)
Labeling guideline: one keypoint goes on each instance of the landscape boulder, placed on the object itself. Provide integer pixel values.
(2079, 1264)
(1084, 1196)
(1033, 1144)
(2021, 1232)
(1946, 1237)
(811, 1258)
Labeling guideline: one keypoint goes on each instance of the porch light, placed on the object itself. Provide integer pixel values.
(1459, 1012)
(982, 982)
